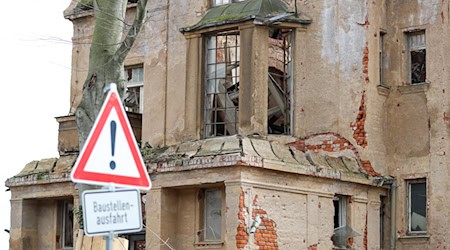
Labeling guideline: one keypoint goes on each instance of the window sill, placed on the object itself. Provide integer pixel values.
(209, 244)
(414, 88)
(383, 90)
(415, 237)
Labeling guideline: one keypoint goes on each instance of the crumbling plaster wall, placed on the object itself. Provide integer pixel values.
(336, 89)
(161, 49)
(296, 211)
(418, 131)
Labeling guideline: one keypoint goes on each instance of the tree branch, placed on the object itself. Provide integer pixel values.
(129, 40)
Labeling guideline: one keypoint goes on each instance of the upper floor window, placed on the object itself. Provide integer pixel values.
(381, 59)
(134, 94)
(417, 206)
(279, 117)
(417, 56)
(221, 102)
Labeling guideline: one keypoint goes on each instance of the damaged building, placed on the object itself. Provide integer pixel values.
(268, 124)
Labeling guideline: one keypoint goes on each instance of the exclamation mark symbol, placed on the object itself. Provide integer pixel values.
(112, 164)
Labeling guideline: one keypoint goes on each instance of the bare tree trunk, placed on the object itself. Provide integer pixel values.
(107, 53)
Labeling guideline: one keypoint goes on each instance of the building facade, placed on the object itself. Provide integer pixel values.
(269, 124)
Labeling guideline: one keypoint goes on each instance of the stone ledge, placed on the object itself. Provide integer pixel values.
(414, 88)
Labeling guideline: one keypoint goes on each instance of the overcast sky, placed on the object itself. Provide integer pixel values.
(35, 80)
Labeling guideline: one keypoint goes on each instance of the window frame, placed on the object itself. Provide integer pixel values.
(62, 223)
(342, 201)
(409, 34)
(288, 80)
(209, 126)
(201, 211)
(409, 183)
(135, 84)
(381, 57)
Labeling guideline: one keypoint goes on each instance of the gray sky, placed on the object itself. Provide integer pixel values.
(35, 70)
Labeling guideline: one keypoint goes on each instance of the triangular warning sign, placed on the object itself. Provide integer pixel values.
(110, 154)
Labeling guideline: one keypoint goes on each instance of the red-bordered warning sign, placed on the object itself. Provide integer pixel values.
(110, 154)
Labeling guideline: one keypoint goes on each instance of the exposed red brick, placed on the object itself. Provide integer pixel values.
(339, 143)
(266, 236)
(367, 166)
(359, 133)
(365, 62)
(241, 234)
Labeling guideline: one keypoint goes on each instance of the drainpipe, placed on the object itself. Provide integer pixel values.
(393, 192)
(392, 183)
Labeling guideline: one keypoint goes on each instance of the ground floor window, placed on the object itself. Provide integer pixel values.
(210, 214)
(417, 205)
(65, 225)
(343, 233)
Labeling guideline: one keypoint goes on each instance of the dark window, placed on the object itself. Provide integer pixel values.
(381, 57)
(280, 81)
(65, 224)
(417, 56)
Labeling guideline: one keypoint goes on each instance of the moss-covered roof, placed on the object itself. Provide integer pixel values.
(262, 11)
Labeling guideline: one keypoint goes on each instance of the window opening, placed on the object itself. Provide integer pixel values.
(280, 81)
(417, 56)
(343, 233)
(221, 89)
(417, 206)
(134, 94)
(381, 57)
(65, 224)
(211, 215)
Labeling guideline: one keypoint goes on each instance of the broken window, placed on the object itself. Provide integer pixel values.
(221, 89)
(343, 233)
(280, 81)
(340, 211)
(417, 56)
(211, 214)
(417, 205)
(134, 94)
(65, 225)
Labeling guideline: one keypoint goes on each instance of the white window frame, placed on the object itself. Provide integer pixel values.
(409, 183)
(413, 46)
(342, 209)
(134, 84)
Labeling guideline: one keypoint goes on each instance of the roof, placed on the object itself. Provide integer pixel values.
(267, 152)
(274, 152)
(261, 11)
(44, 171)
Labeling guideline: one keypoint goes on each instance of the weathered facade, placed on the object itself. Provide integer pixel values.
(270, 124)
